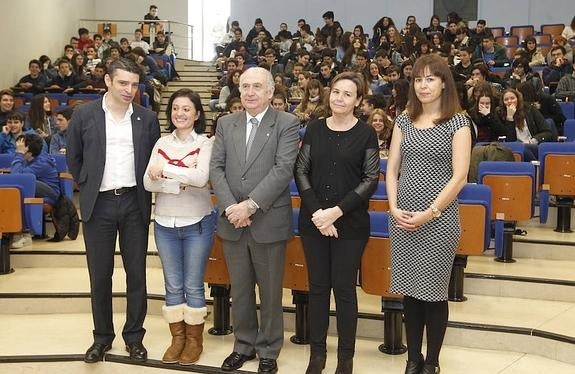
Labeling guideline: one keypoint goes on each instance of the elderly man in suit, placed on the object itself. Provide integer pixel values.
(109, 145)
(251, 166)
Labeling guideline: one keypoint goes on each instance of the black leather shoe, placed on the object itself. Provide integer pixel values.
(430, 369)
(316, 364)
(236, 360)
(268, 365)
(96, 352)
(414, 367)
(137, 352)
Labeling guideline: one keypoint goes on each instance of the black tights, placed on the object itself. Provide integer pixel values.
(432, 315)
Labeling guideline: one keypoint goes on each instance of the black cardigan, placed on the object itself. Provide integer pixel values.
(337, 168)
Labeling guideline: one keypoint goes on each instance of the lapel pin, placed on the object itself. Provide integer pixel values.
(138, 118)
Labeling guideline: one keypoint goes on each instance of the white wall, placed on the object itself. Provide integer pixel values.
(32, 28)
(366, 12)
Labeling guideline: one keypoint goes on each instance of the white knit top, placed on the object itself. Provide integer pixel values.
(183, 195)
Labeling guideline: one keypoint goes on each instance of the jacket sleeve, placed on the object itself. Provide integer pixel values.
(369, 178)
(302, 172)
(538, 127)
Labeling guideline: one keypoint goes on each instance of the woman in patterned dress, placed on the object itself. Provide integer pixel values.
(427, 167)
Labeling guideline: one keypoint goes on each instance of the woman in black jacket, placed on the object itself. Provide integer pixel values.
(522, 123)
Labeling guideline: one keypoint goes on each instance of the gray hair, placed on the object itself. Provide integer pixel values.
(268, 77)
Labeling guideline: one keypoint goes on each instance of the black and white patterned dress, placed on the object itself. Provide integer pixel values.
(421, 261)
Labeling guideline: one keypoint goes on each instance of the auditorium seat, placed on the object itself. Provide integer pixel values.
(557, 177)
(513, 193)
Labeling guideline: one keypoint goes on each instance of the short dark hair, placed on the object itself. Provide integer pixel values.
(123, 64)
(68, 46)
(34, 61)
(139, 51)
(301, 20)
(82, 31)
(356, 78)
(329, 14)
(258, 20)
(481, 22)
(235, 23)
(467, 49)
(200, 124)
(97, 36)
(306, 28)
(559, 47)
(34, 142)
(64, 61)
(153, 7)
(15, 116)
(66, 112)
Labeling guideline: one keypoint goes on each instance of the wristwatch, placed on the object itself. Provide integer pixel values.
(436, 213)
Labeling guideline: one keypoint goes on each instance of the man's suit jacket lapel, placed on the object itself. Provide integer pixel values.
(262, 136)
(239, 138)
(100, 121)
(137, 133)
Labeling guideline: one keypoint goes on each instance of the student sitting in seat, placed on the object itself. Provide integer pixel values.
(13, 128)
(96, 81)
(6, 104)
(30, 157)
(33, 82)
(58, 141)
(66, 80)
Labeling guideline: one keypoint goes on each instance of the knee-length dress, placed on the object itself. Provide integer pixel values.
(421, 261)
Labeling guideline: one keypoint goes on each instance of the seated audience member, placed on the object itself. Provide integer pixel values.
(560, 41)
(75, 42)
(231, 89)
(370, 103)
(13, 128)
(48, 70)
(96, 81)
(151, 68)
(479, 32)
(98, 41)
(490, 52)
(462, 71)
(84, 40)
(483, 113)
(125, 48)
(66, 80)
(107, 42)
(155, 27)
(480, 73)
(279, 102)
(33, 82)
(6, 104)
(566, 86)
(68, 54)
(310, 103)
(115, 53)
(280, 84)
(162, 45)
(270, 61)
(138, 42)
(79, 66)
(297, 90)
(92, 59)
(326, 74)
(284, 46)
(521, 72)
(569, 31)
(234, 45)
(303, 58)
(398, 99)
(558, 66)
(31, 157)
(383, 126)
(546, 104)
(254, 32)
(58, 141)
(532, 52)
(523, 123)
(39, 117)
(377, 84)
(463, 40)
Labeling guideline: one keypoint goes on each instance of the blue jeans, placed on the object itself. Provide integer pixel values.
(184, 253)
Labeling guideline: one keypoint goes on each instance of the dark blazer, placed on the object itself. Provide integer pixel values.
(86, 152)
(535, 123)
(264, 176)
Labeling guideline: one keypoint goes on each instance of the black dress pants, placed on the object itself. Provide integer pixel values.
(333, 264)
(113, 215)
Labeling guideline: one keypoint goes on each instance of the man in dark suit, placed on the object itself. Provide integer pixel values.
(109, 144)
(251, 166)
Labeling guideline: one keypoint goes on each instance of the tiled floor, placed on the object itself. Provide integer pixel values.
(43, 328)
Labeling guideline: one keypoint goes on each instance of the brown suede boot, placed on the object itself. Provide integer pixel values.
(194, 319)
(194, 344)
(172, 355)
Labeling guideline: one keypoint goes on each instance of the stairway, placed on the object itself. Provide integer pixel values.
(196, 75)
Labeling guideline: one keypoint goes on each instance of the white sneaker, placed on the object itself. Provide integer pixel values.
(21, 241)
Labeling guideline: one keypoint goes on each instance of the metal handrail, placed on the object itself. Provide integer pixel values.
(182, 43)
